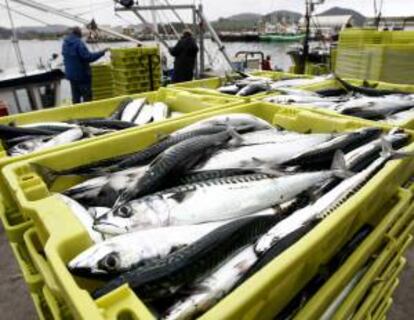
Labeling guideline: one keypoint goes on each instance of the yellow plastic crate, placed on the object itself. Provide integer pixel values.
(368, 287)
(390, 230)
(386, 306)
(61, 237)
(209, 85)
(48, 307)
(367, 309)
(178, 101)
(333, 84)
(31, 275)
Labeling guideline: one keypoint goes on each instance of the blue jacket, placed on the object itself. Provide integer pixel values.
(76, 58)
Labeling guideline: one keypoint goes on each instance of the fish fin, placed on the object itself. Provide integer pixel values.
(339, 165)
(49, 175)
(388, 151)
(267, 168)
(179, 196)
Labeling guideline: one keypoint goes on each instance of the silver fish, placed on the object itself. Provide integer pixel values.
(298, 82)
(229, 89)
(159, 111)
(132, 109)
(375, 107)
(400, 117)
(83, 217)
(100, 190)
(233, 120)
(207, 291)
(299, 99)
(211, 200)
(322, 208)
(68, 136)
(28, 146)
(114, 255)
(145, 115)
(254, 87)
(255, 155)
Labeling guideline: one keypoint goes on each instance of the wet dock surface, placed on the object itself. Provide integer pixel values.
(16, 303)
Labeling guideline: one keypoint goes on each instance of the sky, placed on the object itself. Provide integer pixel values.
(103, 12)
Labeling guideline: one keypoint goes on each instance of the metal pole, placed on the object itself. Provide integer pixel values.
(48, 9)
(25, 15)
(201, 36)
(15, 41)
(154, 19)
(198, 59)
(167, 2)
(216, 38)
(156, 34)
(306, 40)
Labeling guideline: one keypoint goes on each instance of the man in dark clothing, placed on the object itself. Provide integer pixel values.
(185, 53)
(76, 58)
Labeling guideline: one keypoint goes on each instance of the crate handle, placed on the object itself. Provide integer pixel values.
(39, 261)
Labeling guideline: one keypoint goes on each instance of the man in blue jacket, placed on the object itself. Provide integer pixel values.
(77, 58)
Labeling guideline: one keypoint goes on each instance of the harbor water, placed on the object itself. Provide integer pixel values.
(39, 51)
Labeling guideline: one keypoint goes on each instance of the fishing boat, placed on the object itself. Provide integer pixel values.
(282, 37)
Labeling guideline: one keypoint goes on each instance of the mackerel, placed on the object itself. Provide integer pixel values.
(211, 200)
(114, 256)
(165, 276)
(324, 152)
(211, 288)
(174, 161)
(82, 216)
(325, 205)
(234, 120)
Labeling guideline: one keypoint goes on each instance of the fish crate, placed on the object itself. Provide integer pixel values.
(209, 85)
(381, 314)
(334, 84)
(387, 241)
(60, 237)
(358, 37)
(184, 102)
(367, 309)
(48, 307)
(398, 37)
(368, 289)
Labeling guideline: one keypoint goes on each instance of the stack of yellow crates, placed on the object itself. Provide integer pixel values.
(136, 69)
(102, 81)
(376, 55)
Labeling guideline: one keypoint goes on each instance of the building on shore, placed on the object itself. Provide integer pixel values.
(392, 23)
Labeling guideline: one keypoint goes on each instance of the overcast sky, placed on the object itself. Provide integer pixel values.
(102, 10)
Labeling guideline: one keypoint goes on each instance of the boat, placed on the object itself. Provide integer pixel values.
(282, 37)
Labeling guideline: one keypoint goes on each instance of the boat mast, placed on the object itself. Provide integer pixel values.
(305, 54)
(15, 41)
(154, 19)
(49, 9)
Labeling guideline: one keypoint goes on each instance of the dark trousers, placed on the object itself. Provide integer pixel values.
(81, 92)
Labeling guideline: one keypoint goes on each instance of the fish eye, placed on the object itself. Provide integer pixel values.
(124, 212)
(110, 262)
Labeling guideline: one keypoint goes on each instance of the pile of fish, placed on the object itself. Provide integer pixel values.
(189, 218)
(250, 85)
(24, 139)
(390, 106)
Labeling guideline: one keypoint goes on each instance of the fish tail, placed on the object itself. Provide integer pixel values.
(49, 175)
(389, 152)
(339, 166)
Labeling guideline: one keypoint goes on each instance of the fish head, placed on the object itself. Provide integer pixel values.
(98, 261)
(135, 215)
